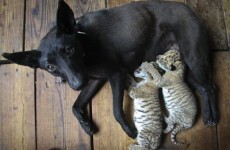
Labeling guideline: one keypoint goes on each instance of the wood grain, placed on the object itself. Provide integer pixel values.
(222, 79)
(11, 26)
(211, 14)
(56, 125)
(17, 122)
(115, 3)
(182, 1)
(110, 135)
(226, 7)
(16, 83)
(81, 7)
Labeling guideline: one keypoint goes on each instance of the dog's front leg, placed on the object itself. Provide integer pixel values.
(79, 107)
(117, 82)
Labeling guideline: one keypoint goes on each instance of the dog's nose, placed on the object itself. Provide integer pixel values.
(77, 84)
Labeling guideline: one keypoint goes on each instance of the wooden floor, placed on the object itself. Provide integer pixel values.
(35, 112)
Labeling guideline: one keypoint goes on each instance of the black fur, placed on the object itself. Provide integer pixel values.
(115, 43)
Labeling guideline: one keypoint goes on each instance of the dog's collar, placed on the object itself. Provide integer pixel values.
(77, 21)
(79, 32)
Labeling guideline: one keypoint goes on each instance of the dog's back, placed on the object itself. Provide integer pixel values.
(138, 31)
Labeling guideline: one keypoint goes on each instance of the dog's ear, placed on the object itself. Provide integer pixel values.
(28, 58)
(66, 23)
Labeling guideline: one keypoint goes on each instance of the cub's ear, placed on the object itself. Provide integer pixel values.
(65, 19)
(28, 58)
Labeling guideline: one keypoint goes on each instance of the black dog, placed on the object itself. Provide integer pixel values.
(115, 42)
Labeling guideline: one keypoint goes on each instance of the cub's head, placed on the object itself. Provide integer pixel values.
(143, 71)
(146, 88)
(168, 59)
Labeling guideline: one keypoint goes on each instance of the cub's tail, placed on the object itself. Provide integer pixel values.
(174, 133)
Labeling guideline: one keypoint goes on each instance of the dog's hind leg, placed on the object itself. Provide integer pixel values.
(117, 82)
(206, 91)
(193, 44)
(79, 107)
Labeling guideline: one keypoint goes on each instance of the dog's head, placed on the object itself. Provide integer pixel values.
(59, 52)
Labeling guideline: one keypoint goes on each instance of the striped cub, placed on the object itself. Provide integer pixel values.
(147, 112)
(179, 99)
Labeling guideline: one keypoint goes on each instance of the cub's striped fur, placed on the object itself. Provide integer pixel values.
(179, 99)
(147, 112)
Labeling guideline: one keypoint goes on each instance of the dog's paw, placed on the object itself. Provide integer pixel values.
(210, 119)
(85, 123)
(87, 127)
(215, 116)
(131, 132)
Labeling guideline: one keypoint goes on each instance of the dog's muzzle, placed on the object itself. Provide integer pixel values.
(77, 83)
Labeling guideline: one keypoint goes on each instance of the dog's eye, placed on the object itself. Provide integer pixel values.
(69, 51)
(51, 68)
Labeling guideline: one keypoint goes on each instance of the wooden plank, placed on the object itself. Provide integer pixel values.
(11, 25)
(56, 125)
(16, 83)
(222, 79)
(115, 3)
(182, 1)
(17, 122)
(81, 7)
(226, 7)
(211, 13)
(110, 135)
